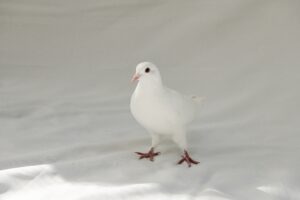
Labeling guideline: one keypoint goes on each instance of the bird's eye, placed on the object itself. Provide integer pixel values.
(147, 70)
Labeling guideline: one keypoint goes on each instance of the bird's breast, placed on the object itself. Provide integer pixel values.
(153, 113)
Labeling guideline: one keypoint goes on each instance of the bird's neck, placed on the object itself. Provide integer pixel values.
(150, 85)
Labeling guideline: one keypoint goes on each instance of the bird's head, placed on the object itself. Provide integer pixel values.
(146, 71)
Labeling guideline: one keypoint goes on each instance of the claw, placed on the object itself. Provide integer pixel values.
(151, 154)
(186, 158)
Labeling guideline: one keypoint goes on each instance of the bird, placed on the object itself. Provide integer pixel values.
(161, 111)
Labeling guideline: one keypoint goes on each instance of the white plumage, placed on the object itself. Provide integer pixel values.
(160, 110)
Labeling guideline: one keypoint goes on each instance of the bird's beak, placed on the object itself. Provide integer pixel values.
(135, 77)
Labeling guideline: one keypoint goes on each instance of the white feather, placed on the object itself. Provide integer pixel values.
(160, 110)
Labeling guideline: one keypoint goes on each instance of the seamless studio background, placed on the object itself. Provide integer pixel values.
(65, 125)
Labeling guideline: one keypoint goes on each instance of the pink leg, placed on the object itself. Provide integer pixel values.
(151, 154)
(186, 158)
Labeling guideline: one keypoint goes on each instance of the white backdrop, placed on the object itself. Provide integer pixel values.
(65, 125)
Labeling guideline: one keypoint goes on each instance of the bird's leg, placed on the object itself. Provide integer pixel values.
(151, 154)
(186, 158)
(180, 140)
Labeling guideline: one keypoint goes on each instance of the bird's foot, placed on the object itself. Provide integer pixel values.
(186, 158)
(151, 154)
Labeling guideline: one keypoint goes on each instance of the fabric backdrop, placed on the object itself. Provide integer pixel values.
(65, 124)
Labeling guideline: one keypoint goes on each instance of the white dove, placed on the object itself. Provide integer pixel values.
(161, 111)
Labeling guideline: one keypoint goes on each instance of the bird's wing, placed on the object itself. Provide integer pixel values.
(185, 106)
